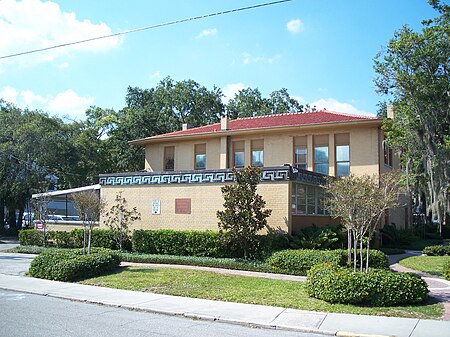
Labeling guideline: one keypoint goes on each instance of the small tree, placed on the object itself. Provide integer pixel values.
(89, 206)
(119, 218)
(361, 202)
(244, 214)
(40, 207)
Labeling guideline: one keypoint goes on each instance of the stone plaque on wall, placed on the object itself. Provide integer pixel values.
(183, 206)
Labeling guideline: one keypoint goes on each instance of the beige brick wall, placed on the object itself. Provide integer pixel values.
(206, 199)
(365, 153)
(184, 155)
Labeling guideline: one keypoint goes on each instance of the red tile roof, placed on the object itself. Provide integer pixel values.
(277, 120)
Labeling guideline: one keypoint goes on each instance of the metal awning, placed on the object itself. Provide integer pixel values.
(66, 192)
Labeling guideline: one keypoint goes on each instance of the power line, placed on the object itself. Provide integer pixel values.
(147, 27)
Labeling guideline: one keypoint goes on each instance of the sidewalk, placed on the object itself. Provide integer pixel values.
(235, 313)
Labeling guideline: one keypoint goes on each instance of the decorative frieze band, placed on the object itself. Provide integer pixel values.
(189, 177)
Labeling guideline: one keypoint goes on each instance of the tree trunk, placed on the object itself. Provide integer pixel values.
(84, 238)
(349, 247)
(89, 239)
(355, 249)
(361, 254)
(367, 256)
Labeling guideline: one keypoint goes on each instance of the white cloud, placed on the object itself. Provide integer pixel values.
(230, 90)
(34, 24)
(295, 26)
(206, 33)
(69, 103)
(155, 75)
(9, 94)
(66, 104)
(332, 104)
(63, 65)
(247, 58)
(299, 99)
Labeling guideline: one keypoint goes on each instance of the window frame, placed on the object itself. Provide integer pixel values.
(199, 150)
(342, 161)
(322, 162)
(238, 147)
(257, 146)
(166, 158)
(312, 192)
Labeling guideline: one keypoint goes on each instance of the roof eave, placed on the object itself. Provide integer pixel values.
(220, 133)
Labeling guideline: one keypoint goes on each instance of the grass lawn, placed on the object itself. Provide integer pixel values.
(254, 290)
(427, 264)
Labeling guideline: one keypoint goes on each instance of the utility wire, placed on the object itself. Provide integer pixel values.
(148, 27)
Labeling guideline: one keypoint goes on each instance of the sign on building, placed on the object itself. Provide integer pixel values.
(156, 206)
(183, 206)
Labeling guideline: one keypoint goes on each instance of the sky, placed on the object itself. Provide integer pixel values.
(321, 51)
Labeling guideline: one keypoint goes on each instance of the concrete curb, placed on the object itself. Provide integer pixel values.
(352, 334)
(193, 316)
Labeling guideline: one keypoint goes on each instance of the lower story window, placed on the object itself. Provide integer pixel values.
(308, 200)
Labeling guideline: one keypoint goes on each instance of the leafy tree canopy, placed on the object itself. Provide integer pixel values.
(414, 72)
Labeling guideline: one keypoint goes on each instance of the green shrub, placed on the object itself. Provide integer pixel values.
(100, 238)
(313, 237)
(398, 237)
(71, 264)
(446, 271)
(375, 288)
(30, 237)
(69, 239)
(181, 243)
(60, 239)
(299, 261)
(226, 263)
(436, 250)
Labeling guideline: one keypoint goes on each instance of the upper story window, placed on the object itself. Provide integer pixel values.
(300, 153)
(200, 156)
(169, 158)
(387, 152)
(258, 152)
(321, 163)
(239, 154)
(342, 142)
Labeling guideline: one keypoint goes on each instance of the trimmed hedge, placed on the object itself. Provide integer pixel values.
(226, 263)
(375, 288)
(69, 239)
(299, 261)
(30, 237)
(181, 243)
(71, 264)
(446, 271)
(200, 243)
(436, 250)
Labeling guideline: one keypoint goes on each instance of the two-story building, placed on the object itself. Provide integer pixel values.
(184, 170)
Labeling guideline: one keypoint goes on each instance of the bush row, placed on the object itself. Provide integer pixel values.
(436, 250)
(68, 239)
(201, 243)
(226, 263)
(446, 271)
(71, 264)
(298, 262)
(375, 288)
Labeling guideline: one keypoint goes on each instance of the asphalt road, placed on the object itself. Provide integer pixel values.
(24, 315)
